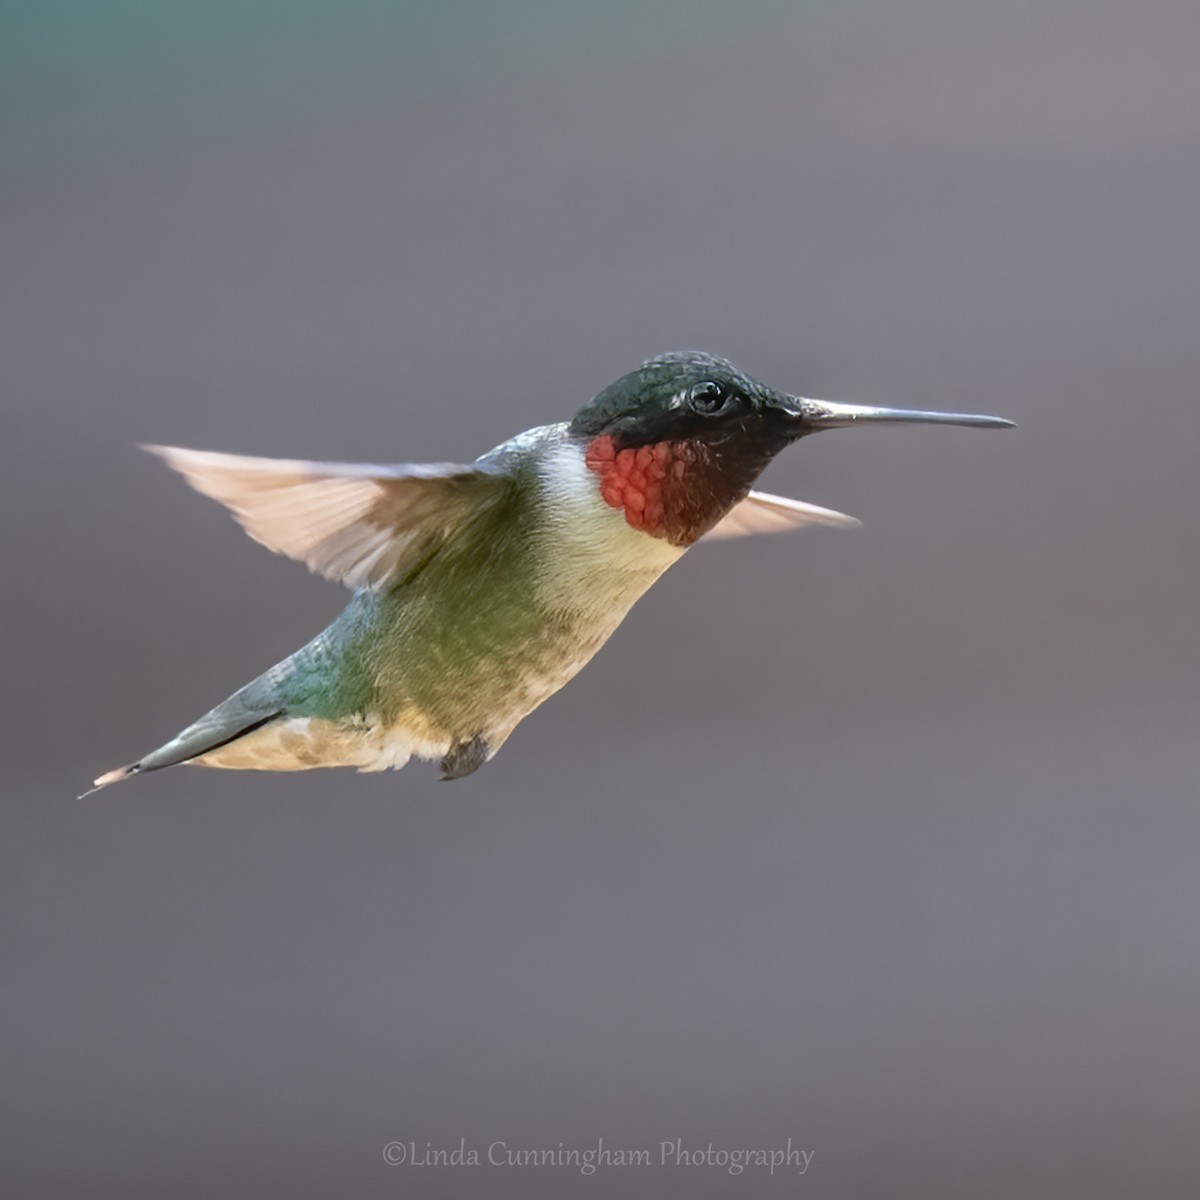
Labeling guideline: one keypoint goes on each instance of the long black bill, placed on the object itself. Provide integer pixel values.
(823, 414)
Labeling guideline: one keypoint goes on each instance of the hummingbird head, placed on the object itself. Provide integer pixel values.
(680, 441)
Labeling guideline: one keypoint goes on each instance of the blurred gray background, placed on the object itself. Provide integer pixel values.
(882, 841)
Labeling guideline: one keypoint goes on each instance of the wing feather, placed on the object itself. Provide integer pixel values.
(761, 513)
(353, 522)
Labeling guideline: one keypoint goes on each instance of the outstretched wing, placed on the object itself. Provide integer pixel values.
(760, 513)
(353, 522)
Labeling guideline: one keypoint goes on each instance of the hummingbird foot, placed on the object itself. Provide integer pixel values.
(463, 758)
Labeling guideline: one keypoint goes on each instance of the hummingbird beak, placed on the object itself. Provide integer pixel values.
(815, 415)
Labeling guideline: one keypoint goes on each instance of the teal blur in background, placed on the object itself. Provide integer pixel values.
(882, 841)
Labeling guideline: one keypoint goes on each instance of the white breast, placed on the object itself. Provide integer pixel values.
(595, 558)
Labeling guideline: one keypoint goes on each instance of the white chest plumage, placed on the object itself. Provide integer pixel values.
(595, 560)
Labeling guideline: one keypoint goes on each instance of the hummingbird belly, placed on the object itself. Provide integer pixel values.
(301, 743)
(456, 685)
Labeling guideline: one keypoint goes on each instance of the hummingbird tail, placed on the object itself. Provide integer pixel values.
(196, 740)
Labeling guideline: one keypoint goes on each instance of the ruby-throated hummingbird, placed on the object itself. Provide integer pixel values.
(479, 590)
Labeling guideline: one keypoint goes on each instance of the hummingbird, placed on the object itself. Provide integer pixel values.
(480, 589)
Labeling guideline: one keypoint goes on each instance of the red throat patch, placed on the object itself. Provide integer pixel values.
(643, 483)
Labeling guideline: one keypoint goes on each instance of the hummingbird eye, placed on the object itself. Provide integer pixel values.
(709, 398)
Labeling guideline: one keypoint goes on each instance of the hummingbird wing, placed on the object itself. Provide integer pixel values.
(761, 513)
(353, 522)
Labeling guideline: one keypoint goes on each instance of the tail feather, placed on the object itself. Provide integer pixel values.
(111, 777)
(214, 730)
(273, 695)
